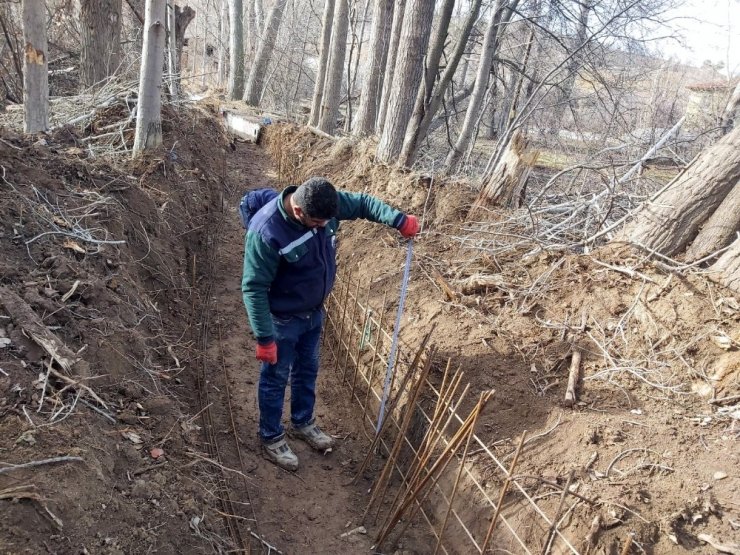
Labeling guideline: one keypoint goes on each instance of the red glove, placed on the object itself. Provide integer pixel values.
(410, 227)
(267, 353)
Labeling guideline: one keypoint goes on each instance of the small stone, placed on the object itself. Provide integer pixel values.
(156, 452)
(719, 475)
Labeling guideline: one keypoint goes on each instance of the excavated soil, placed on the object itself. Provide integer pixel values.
(137, 291)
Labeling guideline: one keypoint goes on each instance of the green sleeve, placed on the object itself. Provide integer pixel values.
(361, 205)
(260, 266)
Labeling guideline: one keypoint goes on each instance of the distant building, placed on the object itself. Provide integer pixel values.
(706, 102)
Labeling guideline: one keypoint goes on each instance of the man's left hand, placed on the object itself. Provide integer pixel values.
(410, 227)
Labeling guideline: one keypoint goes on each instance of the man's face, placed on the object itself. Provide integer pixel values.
(306, 220)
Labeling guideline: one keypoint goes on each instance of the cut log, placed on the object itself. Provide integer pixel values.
(727, 269)
(671, 219)
(719, 230)
(506, 186)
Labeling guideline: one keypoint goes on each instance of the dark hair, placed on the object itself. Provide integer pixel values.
(318, 198)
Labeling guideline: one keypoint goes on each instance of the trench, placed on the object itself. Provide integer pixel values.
(417, 485)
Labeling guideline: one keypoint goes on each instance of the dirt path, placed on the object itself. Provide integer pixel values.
(305, 512)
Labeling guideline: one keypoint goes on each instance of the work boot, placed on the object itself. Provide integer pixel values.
(281, 454)
(312, 434)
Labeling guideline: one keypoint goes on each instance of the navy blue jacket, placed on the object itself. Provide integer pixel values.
(289, 269)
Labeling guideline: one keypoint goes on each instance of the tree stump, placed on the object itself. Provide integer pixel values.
(507, 184)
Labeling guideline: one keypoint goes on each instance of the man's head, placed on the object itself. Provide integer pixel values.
(315, 202)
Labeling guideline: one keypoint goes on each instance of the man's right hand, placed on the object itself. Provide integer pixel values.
(267, 353)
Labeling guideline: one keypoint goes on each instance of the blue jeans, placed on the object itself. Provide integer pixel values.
(297, 341)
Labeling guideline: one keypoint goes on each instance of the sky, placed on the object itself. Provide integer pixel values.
(710, 30)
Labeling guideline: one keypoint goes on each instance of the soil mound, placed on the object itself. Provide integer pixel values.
(653, 435)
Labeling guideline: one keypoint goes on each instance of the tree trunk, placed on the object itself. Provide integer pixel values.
(411, 143)
(719, 230)
(727, 269)
(324, 48)
(148, 116)
(223, 34)
(333, 84)
(236, 51)
(249, 32)
(514, 105)
(100, 34)
(507, 184)
(399, 11)
(259, 17)
(136, 8)
(424, 93)
(183, 17)
(670, 220)
(35, 68)
(256, 80)
(373, 83)
(565, 92)
(407, 77)
(172, 67)
(204, 50)
(479, 89)
(731, 115)
(354, 60)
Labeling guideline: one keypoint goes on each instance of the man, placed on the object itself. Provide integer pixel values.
(289, 270)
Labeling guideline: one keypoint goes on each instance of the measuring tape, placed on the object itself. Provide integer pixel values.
(394, 342)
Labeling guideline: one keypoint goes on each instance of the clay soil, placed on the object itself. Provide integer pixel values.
(127, 369)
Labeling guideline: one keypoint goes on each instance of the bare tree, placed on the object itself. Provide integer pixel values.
(35, 68)
(407, 77)
(671, 220)
(324, 49)
(259, 17)
(100, 30)
(565, 91)
(333, 83)
(236, 51)
(472, 115)
(183, 18)
(149, 116)
(399, 12)
(373, 83)
(266, 46)
(418, 130)
(424, 93)
(172, 66)
(223, 34)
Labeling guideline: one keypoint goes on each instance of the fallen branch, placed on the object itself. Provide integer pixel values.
(25, 317)
(56, 460)
(77, 384)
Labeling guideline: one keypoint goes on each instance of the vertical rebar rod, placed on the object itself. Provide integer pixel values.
(376, 354)
(367, 315)
(343, 308)
(351, 329)
(381, 486)
(393, 403)
(471, 433)
(554, 525)
(501, 496)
